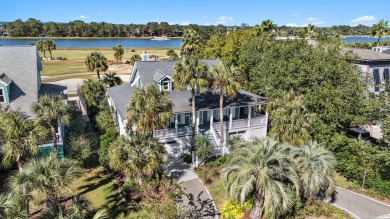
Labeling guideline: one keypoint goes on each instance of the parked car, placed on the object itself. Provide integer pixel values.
(360, 133)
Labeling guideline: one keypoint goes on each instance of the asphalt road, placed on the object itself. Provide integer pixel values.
(360, 206)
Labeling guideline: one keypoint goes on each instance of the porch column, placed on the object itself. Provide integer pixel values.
(249, 115)
(59, 132)
(212, 118)
(197, 121)
(231, 118)
(176, 124)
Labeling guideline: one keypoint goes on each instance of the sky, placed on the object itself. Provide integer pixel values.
(322, 13)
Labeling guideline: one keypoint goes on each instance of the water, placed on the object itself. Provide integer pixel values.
(98, 43)
(363, 39)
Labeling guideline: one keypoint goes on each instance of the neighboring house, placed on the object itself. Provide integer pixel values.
(375, 63)
(242, 114)
(21, 86)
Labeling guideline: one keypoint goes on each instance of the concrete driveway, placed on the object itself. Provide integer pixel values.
(360, 206)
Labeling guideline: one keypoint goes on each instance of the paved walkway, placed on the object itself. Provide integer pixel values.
(196, 202)
(360, 206)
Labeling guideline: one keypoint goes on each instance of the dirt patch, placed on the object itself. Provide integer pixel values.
(121, 67)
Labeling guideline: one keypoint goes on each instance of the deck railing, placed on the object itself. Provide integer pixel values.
(172, 131)
(242, 123)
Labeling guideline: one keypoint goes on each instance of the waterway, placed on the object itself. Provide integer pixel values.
(97, 42)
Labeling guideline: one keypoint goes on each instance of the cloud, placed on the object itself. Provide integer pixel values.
(224, 19)
(291, 25)
(208, 24)
(83, 17)
(180, 23)
(368, 19)
(312, 19)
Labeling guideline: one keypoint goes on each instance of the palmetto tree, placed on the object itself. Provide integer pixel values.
(134, 58)
(379, 30)
(191, 42)
(225, 82)
(93, 91)
(289, 119)
(96, 61)
(149, 109)
(118, 52)
(111, 79)
(310, 30)
(264, 172)
(191, 72)
(10, 206)
(42, 47)
(316, 169)
(50, 46)
(52, 110)
(20, 137)
(136, 156)
(47, 176)
(266, 28)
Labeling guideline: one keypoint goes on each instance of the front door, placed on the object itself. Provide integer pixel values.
(205, 117)
(187, 119)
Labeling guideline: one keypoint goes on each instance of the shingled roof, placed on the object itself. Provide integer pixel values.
(5, 79)
(148, 69)
(22, 65)
(367, 55)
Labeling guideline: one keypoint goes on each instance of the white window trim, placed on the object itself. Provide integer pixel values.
(5, 97)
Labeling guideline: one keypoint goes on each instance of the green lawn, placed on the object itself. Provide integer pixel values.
(97, 187)
(75, 59)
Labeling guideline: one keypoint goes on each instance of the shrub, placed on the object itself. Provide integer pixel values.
(104, 121)
(232, 210)
(218, 161)
(80, 148)
(105, 141)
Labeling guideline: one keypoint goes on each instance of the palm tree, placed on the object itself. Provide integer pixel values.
(225, 82)
(136, 156)
(267, 28)
(134, 58)
(41, 47)
(379, 30)
(50, 46)
(93, 91)
(289, 119)
(191, 42)
(53, 111)
(193, 73)
(96, 61)
(149, 109)
(263, 172)
(111, 79)
(118, 53)
(310, 30)
(48, 176)
(316, 169)
(20, 137)
(10, 206)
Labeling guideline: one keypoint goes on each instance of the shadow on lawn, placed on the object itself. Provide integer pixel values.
(194, 206)
(97, 181)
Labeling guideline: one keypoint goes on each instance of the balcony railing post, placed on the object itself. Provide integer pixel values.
(231, 118)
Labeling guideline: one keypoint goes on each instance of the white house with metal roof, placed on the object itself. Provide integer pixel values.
(244, 115)
(20, 83)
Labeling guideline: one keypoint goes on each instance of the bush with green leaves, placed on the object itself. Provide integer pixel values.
(203, 148)
(234, 210)
(104, 121)
(105, 141)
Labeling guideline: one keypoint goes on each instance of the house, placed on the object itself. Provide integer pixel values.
(21, 86)
(244, 115)
(376, 63)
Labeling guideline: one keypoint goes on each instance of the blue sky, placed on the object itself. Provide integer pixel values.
(227, 12)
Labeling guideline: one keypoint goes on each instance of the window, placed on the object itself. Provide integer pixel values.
(166, 85)
(2, 95)
(386, 75)
(377, 78)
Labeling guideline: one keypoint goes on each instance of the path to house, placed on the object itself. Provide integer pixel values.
(197, 201)
(360, 206)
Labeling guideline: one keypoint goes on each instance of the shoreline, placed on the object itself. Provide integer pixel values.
(85, 38)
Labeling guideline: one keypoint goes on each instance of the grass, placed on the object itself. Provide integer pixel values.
(344, 183)
(63, 77)
(96, 186)
(75, 59)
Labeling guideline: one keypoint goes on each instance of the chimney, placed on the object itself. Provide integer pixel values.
(144, 56)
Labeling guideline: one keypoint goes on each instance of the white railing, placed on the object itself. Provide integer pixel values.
(50, 142)
(172, 131)
(242, 123)
(215, 135)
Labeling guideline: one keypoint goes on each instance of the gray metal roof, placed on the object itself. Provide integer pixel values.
(182, 99)
(368, 55)
(21, 64)
(5, 79)
(147, 69)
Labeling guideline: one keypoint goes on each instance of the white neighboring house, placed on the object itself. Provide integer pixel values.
(375, 62)
(21, 86)
(242, 114)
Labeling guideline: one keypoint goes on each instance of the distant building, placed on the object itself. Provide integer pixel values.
(374, 63)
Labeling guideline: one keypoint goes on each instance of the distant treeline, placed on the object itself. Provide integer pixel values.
(78, 28)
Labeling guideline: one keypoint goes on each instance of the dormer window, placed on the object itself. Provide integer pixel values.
(166, 86)
(2, 95)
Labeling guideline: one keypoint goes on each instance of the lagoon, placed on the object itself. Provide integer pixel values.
(363, 39)
(97, 42)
